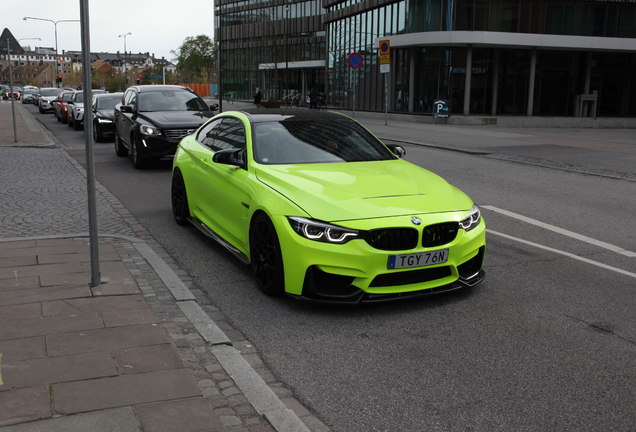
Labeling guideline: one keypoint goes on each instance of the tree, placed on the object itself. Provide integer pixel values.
(196, 58)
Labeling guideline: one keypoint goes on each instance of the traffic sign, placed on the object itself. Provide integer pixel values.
(385, 52)
(441, 109)
(355, 60)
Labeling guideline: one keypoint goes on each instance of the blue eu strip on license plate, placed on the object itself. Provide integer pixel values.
(421, 259)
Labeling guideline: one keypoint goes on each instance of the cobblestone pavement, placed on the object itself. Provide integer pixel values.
(34, 201)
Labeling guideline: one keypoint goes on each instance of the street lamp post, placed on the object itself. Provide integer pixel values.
(125, 57)
(57, 71)
(21, 60)
(287, 50)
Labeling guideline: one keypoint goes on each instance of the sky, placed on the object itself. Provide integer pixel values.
(156, 26)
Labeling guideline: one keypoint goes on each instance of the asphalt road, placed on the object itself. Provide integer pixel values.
(546, 343)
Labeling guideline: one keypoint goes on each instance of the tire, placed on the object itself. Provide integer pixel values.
(266, 257)
(120, 149)
(139, 162)
(41, 110)
(69, 122)
(65, 120)
(180, 209)
(76, 125)
(58, 118)
(96, 135)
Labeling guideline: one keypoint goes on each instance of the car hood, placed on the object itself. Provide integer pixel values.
(361, 190)
(105, 114)
(176, 119)
(48, 98)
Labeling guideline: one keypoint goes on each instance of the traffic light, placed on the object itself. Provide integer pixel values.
(58, 79)
(138, 81)
(176, 82)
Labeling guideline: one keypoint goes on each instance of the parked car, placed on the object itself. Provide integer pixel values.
(60, 105)
(46, 97)
(76, 109)
(152, 119)
(29, 95)
(323, 210)
(103, 106)
(6, 94)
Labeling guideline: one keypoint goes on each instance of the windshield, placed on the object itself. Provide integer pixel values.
(50, 91)
(79, 97)
(66, 97)
(171, 101)
(30, 91)
(107, 103)
(314, 141)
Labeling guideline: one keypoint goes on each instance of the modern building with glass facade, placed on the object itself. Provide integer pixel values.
(487, 57)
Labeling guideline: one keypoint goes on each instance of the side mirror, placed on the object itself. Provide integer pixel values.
(70, 102)
(397, 150)
(126, 109)
(230, 157)
(214, 107)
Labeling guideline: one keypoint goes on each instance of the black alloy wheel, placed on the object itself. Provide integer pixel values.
(57, 117)
(266, 257)
(70, 122)
(139, 162)
(76, 124)
(120, 149)
(180, 209)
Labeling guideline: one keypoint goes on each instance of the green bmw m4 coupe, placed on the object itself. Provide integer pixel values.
(323, 210)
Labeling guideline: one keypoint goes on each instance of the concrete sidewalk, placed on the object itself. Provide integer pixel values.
(139, 352)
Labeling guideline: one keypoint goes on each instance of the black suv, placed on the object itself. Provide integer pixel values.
(151, 120)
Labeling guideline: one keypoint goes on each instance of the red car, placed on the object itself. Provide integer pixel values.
(60, 105)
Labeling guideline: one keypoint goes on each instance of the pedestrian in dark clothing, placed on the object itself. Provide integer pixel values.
(257, 98)
(313, 98)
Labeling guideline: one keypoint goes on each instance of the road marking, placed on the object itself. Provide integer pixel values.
(576, 257)
(563, 231)
(1, 383)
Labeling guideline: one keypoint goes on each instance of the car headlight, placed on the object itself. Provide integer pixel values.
(472, 220)
(78, 110)
(104, 120)
(321, 231)
(149, 129)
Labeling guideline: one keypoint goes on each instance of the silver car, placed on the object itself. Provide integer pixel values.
(76, 108)
(46, 97)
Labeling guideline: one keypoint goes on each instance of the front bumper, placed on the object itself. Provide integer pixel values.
(46, 105)
(356, 272)
(105, 127)
(157, 147)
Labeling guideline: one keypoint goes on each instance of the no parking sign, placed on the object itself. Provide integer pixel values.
(355, 60)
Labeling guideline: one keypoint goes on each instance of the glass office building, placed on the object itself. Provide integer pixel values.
(486, 57)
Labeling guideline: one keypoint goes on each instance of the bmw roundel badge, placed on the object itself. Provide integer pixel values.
(416, 220)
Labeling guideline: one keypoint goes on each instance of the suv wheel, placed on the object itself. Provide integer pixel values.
(139, 161)
(120, 149)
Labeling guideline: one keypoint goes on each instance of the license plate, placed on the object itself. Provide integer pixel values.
(421, 259)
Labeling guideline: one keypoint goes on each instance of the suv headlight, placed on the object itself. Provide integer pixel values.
(321, 231)
(149, 129)
(472, 220)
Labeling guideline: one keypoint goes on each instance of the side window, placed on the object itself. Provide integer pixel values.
(206, 135)
(231, 134)
(129, 97)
